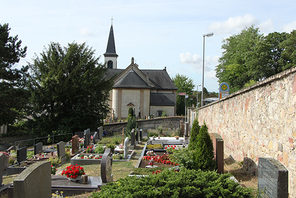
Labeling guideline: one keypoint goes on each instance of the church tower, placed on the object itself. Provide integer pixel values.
(110, 54)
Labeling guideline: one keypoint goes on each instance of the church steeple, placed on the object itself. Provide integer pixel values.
(110, 54)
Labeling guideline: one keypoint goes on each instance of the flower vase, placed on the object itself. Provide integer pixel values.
(77, 179)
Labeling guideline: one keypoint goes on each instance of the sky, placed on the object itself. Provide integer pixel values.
(157, 33)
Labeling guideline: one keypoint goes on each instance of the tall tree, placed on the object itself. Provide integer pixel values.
(234, 65)
(184, 84)
(13, 96)
(288, 58)
(68, 89)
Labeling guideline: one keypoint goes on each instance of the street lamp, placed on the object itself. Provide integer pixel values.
(197, 95)
(203, 66)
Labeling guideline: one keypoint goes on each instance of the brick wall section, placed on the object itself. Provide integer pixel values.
(259, 121)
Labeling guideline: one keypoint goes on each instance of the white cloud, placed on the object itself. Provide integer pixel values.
(289, 27)
(85, 32)
(266, 26)
(233, 24)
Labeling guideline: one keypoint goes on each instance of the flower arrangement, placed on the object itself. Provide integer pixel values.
(89, 149)
(170, 148)
(53, 170)
(89, 156)
(150, 153)
(164, 159)
(73, 171)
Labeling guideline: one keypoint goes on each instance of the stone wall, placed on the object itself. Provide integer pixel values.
(166, 122)
(259, 121)
(169, 110)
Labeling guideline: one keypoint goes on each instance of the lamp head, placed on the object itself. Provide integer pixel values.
(209, 34)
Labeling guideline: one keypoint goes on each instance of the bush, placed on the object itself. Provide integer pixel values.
(204, 156)
(193, 135)
(168, 183)
(99, 149)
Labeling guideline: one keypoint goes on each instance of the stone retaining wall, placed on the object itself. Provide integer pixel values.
(259, 121)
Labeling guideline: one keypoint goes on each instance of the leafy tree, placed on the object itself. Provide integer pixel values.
(235, 63)
(204, 150)
(13, 96)
(68, 89)
(288, 58)
(184, 84)
(193, 135)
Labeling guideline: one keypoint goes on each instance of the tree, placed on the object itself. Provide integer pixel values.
(131, 122)
(193, 135)
(184, 84)
(234, 65)
(288, 58)
(68, 89)
(13, 96)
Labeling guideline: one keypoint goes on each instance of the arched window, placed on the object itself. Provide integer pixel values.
(110, 64)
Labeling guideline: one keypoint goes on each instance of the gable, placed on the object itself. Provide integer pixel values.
(130, 80)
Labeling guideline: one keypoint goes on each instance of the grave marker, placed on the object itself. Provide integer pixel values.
(61, 151)
(3, 165)
(95, 137)
(100, 130)
(86, 137)
(137, 134)
(21, 154)
(106, 166)
(141, 134)
(75, 144)
(133, 138)
(38, 148)
(125, 148)
(272, 178)
(34, 181)
(218, 147)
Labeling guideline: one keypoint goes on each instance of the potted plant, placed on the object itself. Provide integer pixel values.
(73, 172)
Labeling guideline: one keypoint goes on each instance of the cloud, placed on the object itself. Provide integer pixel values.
(266, 26)
(233, 24)
(195, 61)
(289, 27)
(85, 32)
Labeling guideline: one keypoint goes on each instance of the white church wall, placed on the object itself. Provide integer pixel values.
(169, 110)
(146, 103)
(130, 96)
(113, 59)
(114, 99)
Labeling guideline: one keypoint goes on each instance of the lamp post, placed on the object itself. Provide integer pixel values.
(203, 66)
(197, 95)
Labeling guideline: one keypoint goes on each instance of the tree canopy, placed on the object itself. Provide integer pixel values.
(68, 89)
(249, 57)
(184, 84)
(13, 95)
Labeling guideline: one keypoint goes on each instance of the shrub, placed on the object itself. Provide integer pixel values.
(168, 183)
(99, 149)
(204, 156)
(193, 135)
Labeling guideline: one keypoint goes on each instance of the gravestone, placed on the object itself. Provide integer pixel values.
(137, 134)
(249, 166)
(3, 165)
(75, 144)
(106, 166)
(133, 138)
(181, 127)
(272, 178)
(34, 181)
(38, 148)
(125, 152)
(186, 129)
(95, 137)
(21, 154)
(61, 151)
(141, 134)
(218, 147)
(86, 138)
(100, 132)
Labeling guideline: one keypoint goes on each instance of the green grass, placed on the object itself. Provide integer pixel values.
(117, 139)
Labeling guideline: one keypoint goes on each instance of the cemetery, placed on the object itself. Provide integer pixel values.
(92, 165)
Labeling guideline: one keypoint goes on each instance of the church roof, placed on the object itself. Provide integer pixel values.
(131, 80)
(162, 99)
(160, 78)
(111, 51)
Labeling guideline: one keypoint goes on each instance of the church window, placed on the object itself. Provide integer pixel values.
(110, 64)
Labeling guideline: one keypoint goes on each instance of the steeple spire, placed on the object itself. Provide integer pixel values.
(110, 54)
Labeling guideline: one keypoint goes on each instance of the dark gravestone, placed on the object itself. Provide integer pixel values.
(249, 166)
(218, 146)
(137, 135)
(38, 148)
(272, 178)
(100, 132)
(61, 151)
(75, 144)
(133, 138)
(95, 137)
(141, 134)
(3, 165)
(86, 138)
(21, 154)
(33, 182)
(106, 166)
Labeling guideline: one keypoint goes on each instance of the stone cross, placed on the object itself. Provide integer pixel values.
(133, 138)
(21, 154)
(75, 144)
(86, 137)
(3, 165)
(95, 137)
(272, 178)
(38, 148)
(100, 131)
(125, 148)
(61, 151)
(106, 166)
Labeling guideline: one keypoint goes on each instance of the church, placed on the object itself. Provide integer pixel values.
(149, 92)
